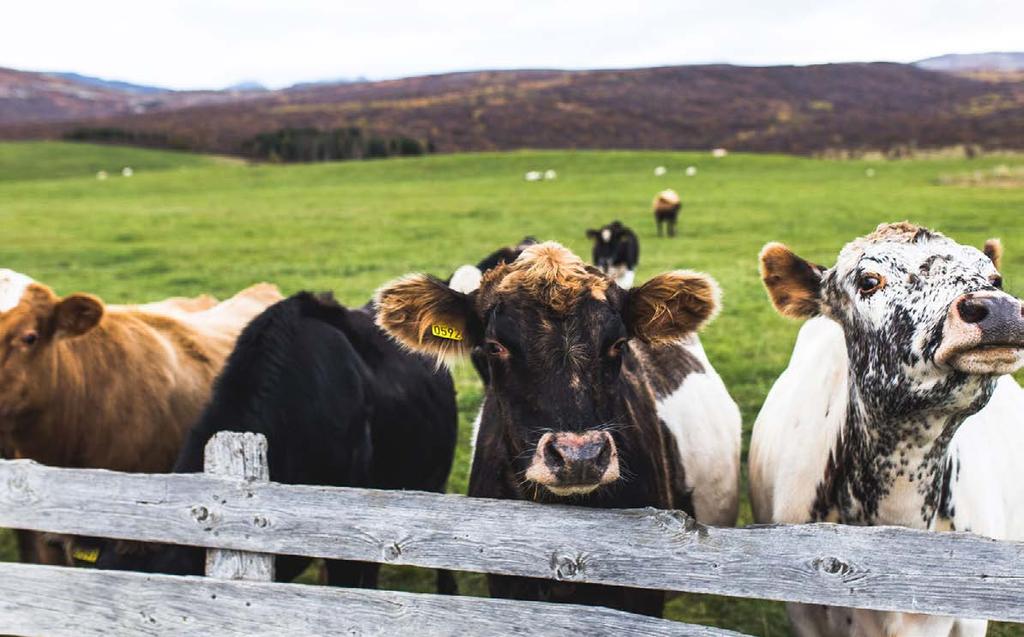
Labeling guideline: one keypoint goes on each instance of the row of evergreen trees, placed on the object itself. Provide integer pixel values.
(312, 144)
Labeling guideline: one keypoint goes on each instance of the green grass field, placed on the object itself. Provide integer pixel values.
(187, 224)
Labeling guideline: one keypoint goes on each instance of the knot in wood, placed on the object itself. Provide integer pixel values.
(260, 522)
(832, 566)
(567, 567)
(200, 513)
(392, 552)
(18, 486)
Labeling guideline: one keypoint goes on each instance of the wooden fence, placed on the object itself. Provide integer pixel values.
(243, 519)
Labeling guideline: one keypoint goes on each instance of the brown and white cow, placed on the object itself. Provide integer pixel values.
(113, 387)
(573, 367)
(892, 410)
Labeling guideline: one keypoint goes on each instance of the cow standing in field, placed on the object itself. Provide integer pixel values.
(340, 405)
(109, 387)
(884, 416)
(576, 370)
(616, 252)
(666, 210)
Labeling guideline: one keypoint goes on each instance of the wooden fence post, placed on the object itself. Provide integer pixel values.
(242, 456)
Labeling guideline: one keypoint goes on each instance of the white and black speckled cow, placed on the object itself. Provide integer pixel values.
(895, 408)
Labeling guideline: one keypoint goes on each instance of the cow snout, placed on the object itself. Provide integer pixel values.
(568, 463)
(984, 334)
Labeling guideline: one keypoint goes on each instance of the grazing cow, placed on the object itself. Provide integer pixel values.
(340, 404)
(616, 252)
(111, 387)
(666, 209)
(575, 369)
(881, 417)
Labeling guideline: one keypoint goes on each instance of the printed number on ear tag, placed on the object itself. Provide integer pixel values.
(446, 331)
(89, 556)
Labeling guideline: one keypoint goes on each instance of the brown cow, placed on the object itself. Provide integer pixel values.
(110, 387)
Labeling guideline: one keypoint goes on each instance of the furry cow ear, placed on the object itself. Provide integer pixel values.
(672, 305)
(425, 315)
(77, 314)
(994, 250)
(793, 284)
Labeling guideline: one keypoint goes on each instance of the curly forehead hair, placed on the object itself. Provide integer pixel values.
(547, 272)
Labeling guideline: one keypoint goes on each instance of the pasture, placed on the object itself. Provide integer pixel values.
(187, 224)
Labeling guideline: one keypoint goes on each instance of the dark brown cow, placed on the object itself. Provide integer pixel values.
(86, 385)
(571, 368)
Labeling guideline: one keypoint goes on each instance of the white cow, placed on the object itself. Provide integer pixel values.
(884, 415)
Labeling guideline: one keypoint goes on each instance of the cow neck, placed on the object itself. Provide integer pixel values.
(896, 468)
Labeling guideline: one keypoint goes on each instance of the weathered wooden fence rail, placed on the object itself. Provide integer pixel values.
(867, 567)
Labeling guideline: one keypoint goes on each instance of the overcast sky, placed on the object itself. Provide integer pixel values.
(214, 43)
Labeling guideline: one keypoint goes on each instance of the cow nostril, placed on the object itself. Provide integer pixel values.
(553, 457)
(972, 310)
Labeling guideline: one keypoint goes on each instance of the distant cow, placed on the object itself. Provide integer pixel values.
(884, 416)
(575, 370)
(616, 252)
(111, 387)
(666, 210)
(340, 403)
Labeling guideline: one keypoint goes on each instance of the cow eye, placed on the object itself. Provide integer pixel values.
(870, 283)
(997, 282)
(495, 349)
(30, 338)
(615, 350)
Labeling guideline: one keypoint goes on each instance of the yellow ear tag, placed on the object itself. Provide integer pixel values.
(90, 556)
(446, 331)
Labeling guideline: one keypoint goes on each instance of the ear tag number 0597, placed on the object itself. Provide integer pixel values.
(446, 331)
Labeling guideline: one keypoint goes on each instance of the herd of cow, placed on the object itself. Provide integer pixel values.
(896, 407)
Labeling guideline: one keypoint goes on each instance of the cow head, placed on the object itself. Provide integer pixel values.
(32, 320)
(606, 242)
(553, 334)
(926, 322)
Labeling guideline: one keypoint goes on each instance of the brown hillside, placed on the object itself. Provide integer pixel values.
(787, 109)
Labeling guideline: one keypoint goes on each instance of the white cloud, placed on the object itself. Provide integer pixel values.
(212, 43)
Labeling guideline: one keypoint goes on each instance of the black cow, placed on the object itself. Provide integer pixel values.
(340, 404)
(616, 252)
(572, 364)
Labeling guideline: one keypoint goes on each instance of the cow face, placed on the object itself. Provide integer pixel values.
(562, 394)
(924, 317)
(606, 242)
(32, 320)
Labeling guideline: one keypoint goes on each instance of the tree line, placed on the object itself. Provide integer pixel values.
(313, 144)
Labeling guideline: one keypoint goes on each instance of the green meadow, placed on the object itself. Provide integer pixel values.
(188, 224)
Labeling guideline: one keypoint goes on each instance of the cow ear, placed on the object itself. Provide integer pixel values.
(425, 315)
(994, 250)
(671, 305)
(793, 284)
(77, 314)
(592, 234)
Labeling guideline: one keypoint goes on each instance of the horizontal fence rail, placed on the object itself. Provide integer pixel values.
(881, 568)
(61, 602)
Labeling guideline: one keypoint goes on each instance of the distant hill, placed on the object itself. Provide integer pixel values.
(792, 109)
(247, 85)
(27, 97)
(116, 85)
(974, 62)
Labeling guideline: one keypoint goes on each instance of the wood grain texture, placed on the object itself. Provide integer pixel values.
(869, 567)
(43, 600)
(241, 456)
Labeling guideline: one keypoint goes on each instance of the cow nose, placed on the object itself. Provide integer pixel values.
(999, 318)
(575, 461)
